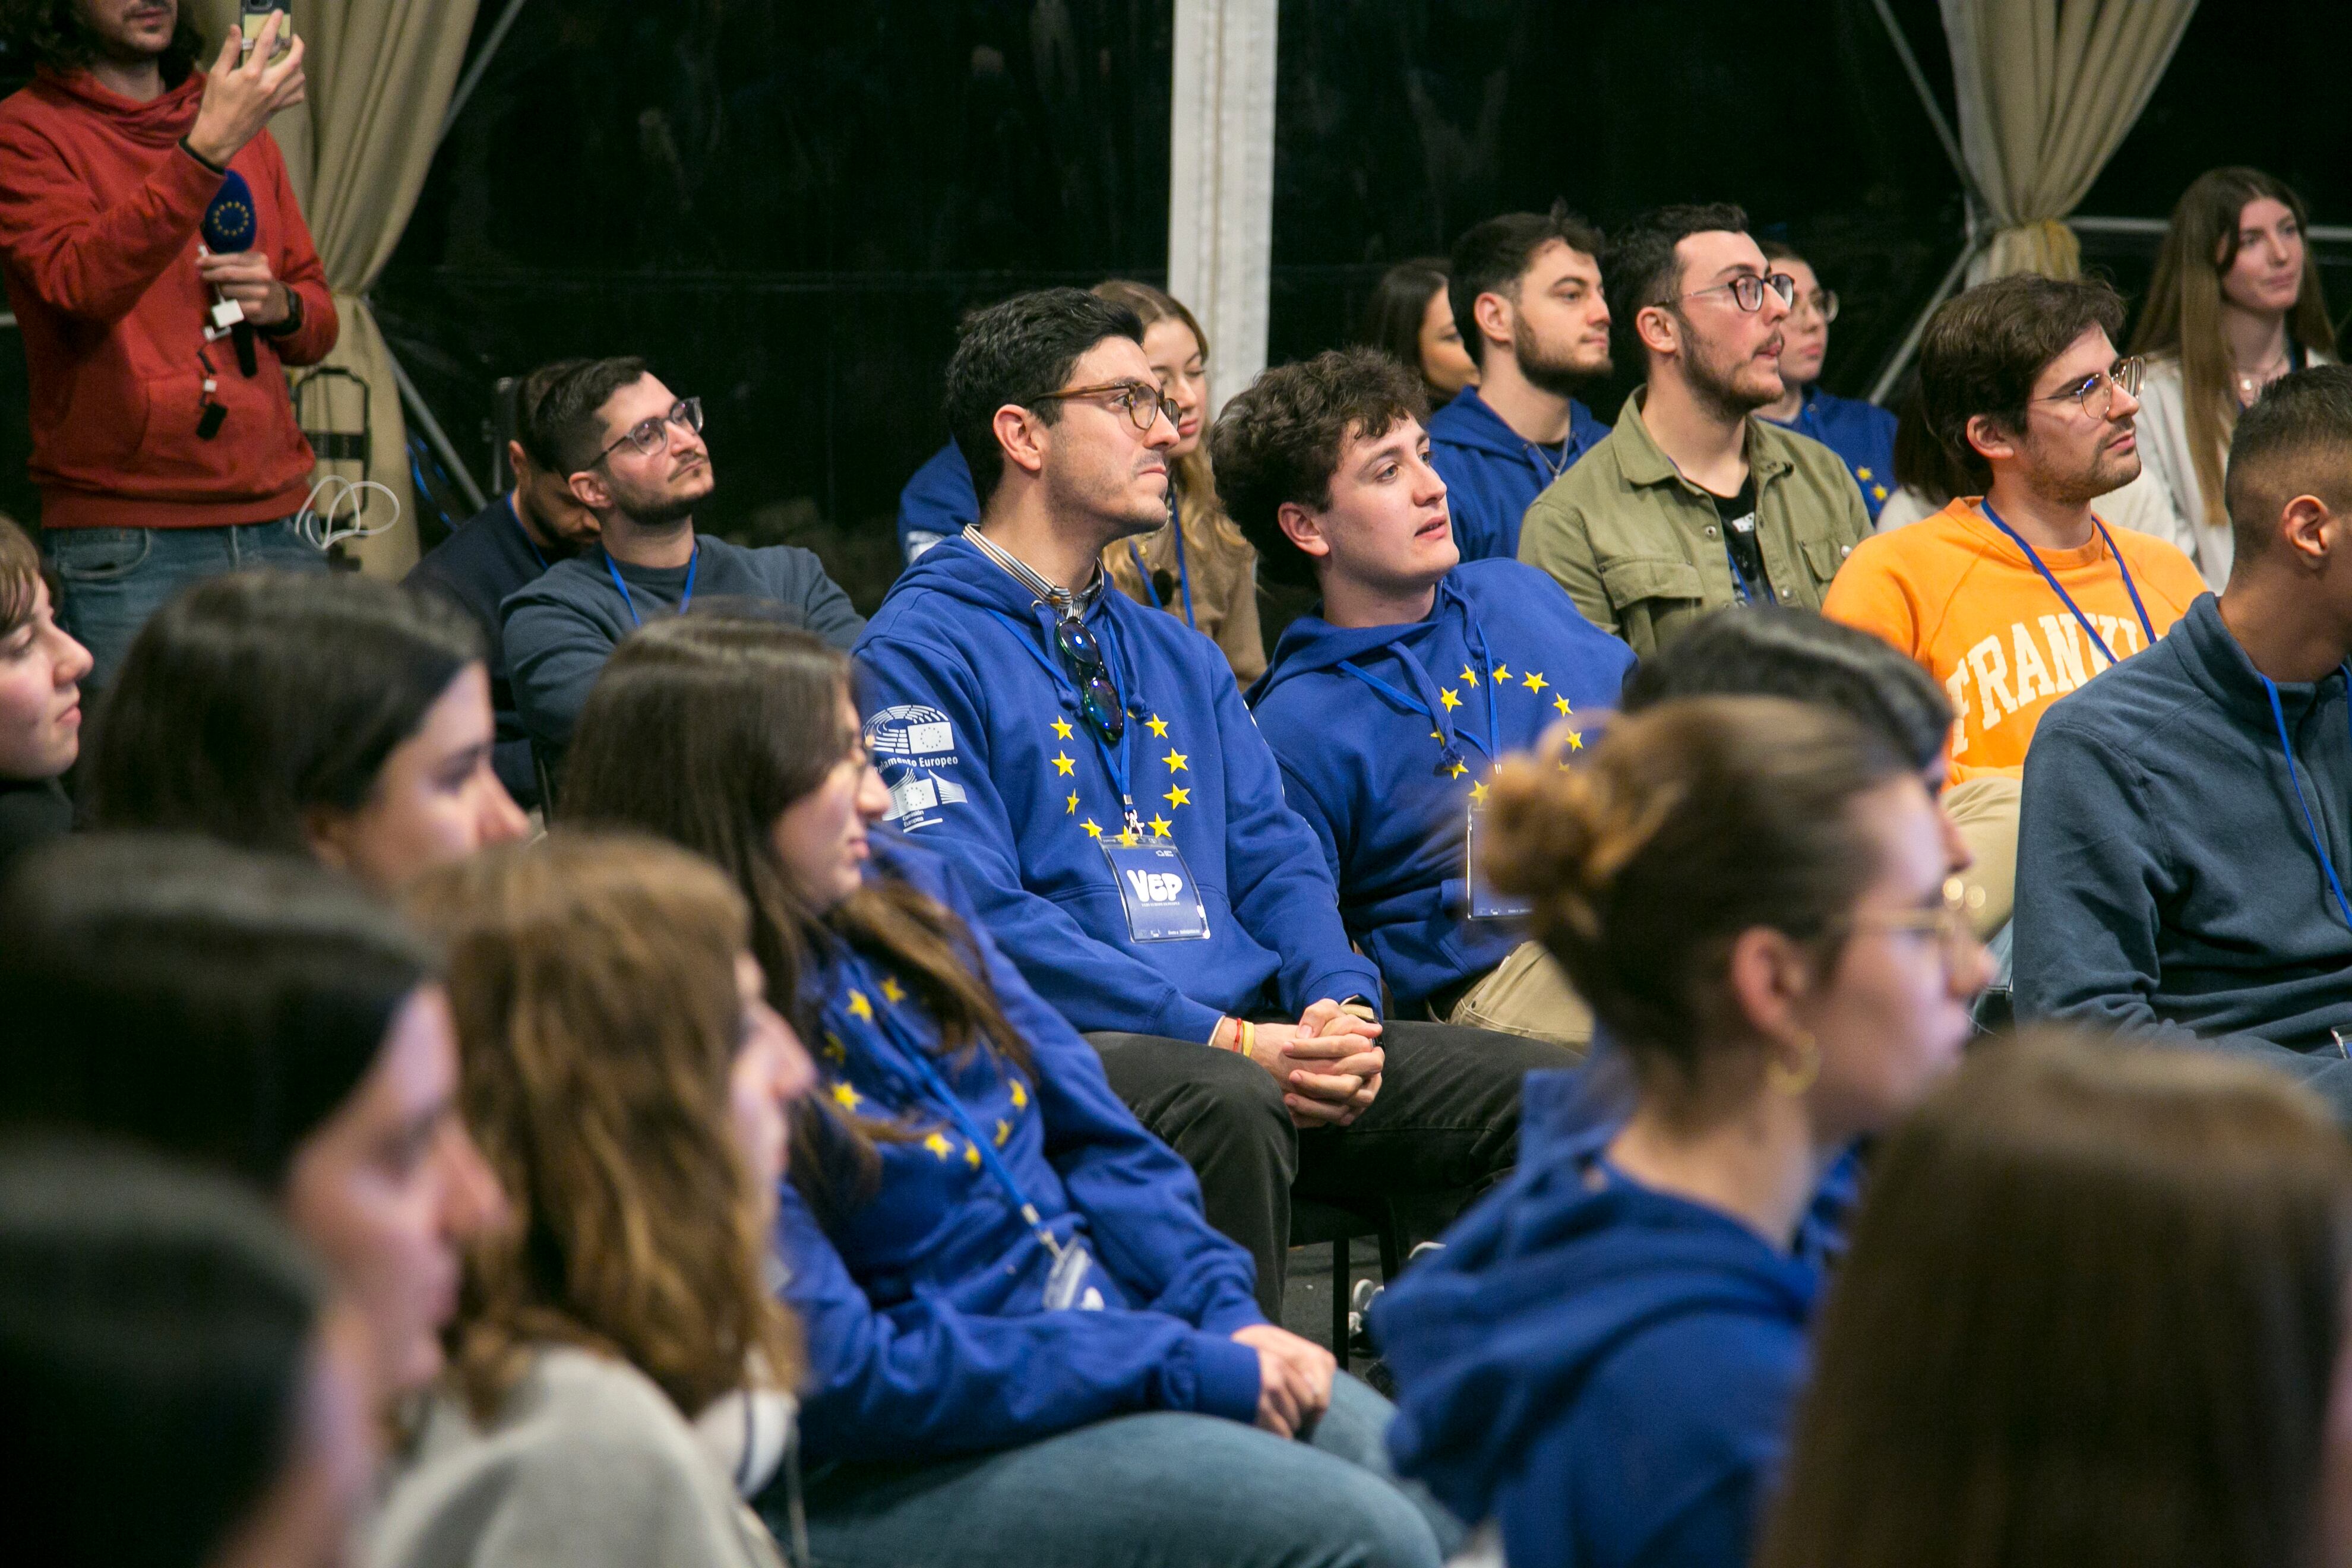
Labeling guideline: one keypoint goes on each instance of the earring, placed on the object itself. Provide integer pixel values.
(1793, 1081)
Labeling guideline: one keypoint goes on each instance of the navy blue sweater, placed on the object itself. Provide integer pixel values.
(1605, 1369)
(924, 1304)
(977, 729)
(1388, 802)
(2167, 884)
(1492, 474)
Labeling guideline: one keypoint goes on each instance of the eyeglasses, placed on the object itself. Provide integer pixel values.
(1823, 302)
(1098, 702)
(1949, 923)
(650, 436)
(2125, 375)
(1748, 289)
(1143, 404)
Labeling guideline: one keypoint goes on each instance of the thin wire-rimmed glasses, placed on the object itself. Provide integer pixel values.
(647, 436)
(1748, 289)
(1098, 702)
(1824, 303)
(1947, 923)
(1143, 404)
(2125, 374)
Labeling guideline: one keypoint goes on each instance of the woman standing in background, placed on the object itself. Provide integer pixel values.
(2235, 304)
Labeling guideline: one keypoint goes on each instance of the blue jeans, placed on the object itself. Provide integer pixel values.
(1141, 1491)
(115, 577)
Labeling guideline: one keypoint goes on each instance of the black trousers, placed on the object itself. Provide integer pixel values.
(1445, 1128)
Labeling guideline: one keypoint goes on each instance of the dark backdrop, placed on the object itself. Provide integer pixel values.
(787, 206)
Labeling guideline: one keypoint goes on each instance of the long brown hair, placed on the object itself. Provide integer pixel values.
(1198, 511)
(1691, 823)
(2091, 1317)
(593, 980)
(2183, 317)
(703, 730)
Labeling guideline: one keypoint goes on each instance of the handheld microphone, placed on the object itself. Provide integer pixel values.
(231, 225)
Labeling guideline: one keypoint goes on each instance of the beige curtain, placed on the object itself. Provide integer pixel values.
(381, 72)
(2047, 90)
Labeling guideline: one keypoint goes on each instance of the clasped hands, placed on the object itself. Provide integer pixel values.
(1328, 1063)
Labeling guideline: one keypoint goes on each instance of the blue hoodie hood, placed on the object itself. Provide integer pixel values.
(977, 729)
(1589, 1359)
(1501, 657)
(1492, 474)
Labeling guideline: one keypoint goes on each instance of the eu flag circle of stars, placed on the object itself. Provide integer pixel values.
(941, 1145)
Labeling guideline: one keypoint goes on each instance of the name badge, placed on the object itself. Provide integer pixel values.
(1156, 886)
(1485, 903)
(1066, 1288)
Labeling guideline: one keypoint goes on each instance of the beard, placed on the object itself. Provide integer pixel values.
(1562, 376)
(663, 508)
(2104, 475)
(1719, 388)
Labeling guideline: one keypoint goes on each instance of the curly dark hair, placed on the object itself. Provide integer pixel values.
(1279, 440)
(55, 39)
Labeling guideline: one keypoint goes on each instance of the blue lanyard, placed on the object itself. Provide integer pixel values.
(2310, 827)
(528, 543)
(2068, 599)
(1115, 763)
(1447, 734)
(1183, 572)
(927, 1085)
(693, 565)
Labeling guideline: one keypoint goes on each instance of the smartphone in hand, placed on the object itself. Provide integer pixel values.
(252, 16)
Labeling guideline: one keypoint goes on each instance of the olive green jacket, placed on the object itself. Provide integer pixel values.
(1640, 548)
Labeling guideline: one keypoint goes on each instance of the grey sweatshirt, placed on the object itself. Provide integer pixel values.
(562, 626)
(2167, 884)
(587, 1464)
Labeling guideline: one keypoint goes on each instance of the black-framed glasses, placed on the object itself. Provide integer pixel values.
(1746, 290)
(1098, 702)
(2097, 394)
(647, 436)
(1143, 404)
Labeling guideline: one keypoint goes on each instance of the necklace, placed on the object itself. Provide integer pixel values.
(2250, 383)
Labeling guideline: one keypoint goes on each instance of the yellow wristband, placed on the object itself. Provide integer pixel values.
(1246, 1036)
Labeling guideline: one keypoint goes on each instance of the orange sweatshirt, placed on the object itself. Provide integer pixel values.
(1955, 593)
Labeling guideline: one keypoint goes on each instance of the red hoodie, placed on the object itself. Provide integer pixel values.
(99, 211)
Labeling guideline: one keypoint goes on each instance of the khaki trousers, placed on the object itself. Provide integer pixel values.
(1985, 812)
(1528, 994)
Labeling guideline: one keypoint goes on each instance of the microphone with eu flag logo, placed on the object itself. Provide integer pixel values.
(230, 225)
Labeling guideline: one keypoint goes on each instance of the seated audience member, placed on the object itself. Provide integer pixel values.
(2235, 303)
(338, 717)
(1750, 894)
(971, 1175)
(2015, 598)
(164, 452)
(633, 454)
(1766, 652)
(1410, 318)
(1389, 703)
(260, 1016)
(1691, 505)
(177, 1388)
(1527, 298)
(41, 671)
(507, 544)
(937, 504)
(1092, 771)
(622, 1371)
(1863, 434)
(1196, 564)
(1927, 476)
(2094, 1314)
(2184, 813)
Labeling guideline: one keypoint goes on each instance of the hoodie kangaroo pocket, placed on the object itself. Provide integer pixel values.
(104, 427)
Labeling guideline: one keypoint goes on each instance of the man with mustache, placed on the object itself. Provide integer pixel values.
(1691, 505)
(2016, 597)
(165, 445)
(1526, 293)
(632, 453)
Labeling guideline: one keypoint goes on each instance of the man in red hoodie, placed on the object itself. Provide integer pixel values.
(160, 462)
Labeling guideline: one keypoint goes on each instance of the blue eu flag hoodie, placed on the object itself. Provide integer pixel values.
(976, 727)
(1863, 434)
(923, 1300)
(937, 502)
(1605, 1369)
(1492, 474)
(1504, 647)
